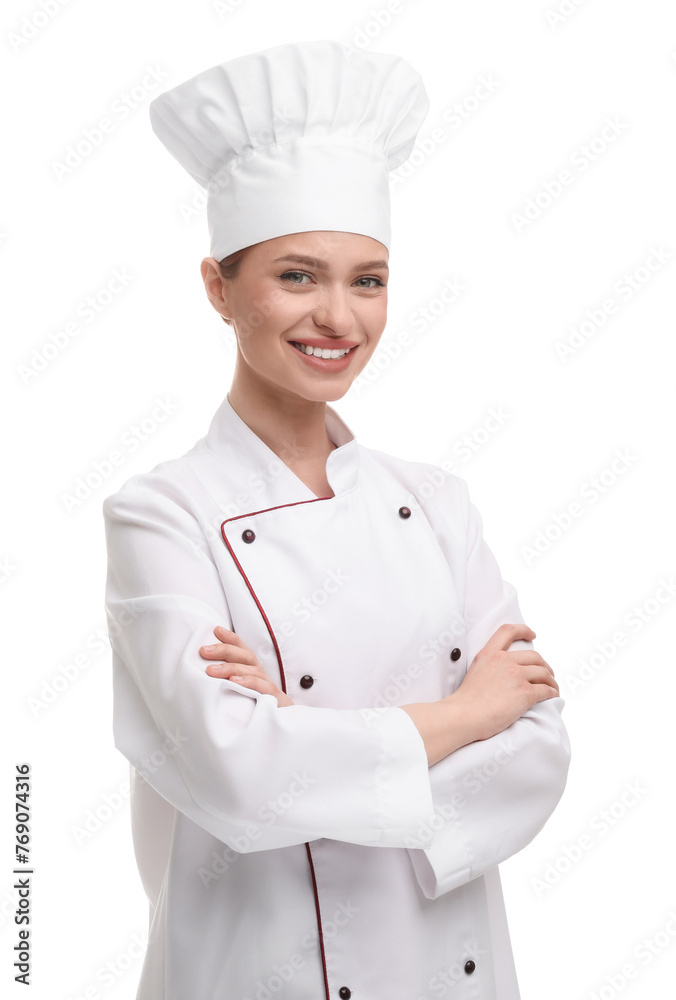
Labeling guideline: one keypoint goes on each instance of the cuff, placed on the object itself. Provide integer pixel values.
(404, 787)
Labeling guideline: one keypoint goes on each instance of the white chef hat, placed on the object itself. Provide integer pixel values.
(295, 138)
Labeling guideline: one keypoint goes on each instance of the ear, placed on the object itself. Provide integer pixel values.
(215, 286)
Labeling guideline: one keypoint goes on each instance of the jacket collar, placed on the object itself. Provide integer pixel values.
(237, 446)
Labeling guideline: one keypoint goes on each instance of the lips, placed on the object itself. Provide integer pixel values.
(322, 364)
(332, 351)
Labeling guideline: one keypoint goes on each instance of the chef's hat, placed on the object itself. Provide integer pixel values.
(295, 138)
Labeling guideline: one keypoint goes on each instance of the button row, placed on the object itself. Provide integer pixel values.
(345, 992)
(307, 681)
(248, 535)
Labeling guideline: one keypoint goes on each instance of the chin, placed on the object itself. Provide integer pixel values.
(326, 395)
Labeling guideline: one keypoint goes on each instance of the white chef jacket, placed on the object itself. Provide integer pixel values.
(308, 851)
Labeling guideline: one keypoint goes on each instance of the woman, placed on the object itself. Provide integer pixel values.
(322, 796)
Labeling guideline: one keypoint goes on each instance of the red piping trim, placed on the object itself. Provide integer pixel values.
(283, 679)
(319, 919)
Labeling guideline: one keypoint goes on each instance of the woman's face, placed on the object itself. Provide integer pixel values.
(322, 289)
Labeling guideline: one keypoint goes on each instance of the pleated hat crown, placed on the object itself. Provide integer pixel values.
(294, 138)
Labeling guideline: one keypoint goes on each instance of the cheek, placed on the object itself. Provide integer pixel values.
(262, 317)
(373, 320)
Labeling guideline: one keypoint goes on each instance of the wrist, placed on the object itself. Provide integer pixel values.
(460, 720)
(443, 725)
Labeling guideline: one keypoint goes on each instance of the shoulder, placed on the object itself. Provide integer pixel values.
(167, 486)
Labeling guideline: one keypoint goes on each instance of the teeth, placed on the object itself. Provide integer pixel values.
(321, 352)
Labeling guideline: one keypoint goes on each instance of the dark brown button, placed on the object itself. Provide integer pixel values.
(344, 993)
(404, 512)
(248, 535)
(307, 681)
(470, 967)
(455, 654)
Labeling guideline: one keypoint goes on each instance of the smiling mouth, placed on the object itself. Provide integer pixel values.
(322, 352)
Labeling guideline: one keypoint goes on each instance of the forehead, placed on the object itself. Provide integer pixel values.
(332, 247)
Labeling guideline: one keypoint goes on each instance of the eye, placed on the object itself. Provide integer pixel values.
(291, 277)
(379, 283)
(301, 274)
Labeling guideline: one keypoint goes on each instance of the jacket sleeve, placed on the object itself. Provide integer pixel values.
(254, 775)
(491, 797)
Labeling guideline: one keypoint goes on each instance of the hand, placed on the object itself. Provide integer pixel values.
(501, 684)
(241, 666)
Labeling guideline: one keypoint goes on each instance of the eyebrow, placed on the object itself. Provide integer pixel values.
(322, 265)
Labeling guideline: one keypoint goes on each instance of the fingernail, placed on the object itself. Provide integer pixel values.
(209, 649)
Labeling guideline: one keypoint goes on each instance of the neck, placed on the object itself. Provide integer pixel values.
(293, 427)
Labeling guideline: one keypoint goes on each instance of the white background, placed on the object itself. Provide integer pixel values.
(554, 84)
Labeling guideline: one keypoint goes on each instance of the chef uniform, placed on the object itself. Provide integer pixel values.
(308, 851)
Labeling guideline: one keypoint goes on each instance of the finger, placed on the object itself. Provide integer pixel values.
(545, 691)
(227, 635)
(541, 675)
(230, 652)
(263, 685)
(507, 634)
(530, 656)
(236, 667)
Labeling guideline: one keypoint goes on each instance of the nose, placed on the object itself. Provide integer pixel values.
(333, 312)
